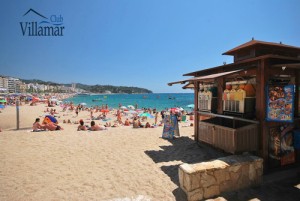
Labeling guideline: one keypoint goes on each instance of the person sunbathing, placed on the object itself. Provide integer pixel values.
(36, 127)
(137, 124)
(95, 127)
(127, 122)
(53, 127)
(147, 125)
(81, 126)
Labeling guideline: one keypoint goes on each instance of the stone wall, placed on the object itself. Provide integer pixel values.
(207, 179)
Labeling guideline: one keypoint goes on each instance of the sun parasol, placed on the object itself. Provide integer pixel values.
(49, 118)
(2, 101)
(104, 110)
(191, 106)
(82, 104)
(35, 99)
(174, 109)
(131, 107)
(146, 114)
(123, 107)
(54, 100)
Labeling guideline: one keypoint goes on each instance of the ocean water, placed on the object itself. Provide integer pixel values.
(160, 101)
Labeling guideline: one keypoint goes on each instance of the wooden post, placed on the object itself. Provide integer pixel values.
(18, 116)
(261, 81)
(196, 116)
(221, 87)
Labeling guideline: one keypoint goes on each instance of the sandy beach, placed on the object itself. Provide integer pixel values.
(120, 163)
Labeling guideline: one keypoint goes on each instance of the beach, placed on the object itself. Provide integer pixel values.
(117, 164)
(120, 163)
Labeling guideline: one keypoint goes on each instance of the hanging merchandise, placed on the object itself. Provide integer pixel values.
(281, 150)
(280, 103)
(206, 99)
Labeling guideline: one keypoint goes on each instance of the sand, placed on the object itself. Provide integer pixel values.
(117, 164)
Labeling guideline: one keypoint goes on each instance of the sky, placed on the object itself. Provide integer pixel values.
(141, 43)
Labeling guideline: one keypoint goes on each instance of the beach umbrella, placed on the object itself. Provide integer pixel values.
(191, 106)
(146, 114)
(123, 107)
(139, 111)
(104, 110)
(82, 104)
(2, 106)
(174, 109)
(53, 100)
(35, 99)
(131, 112)
(49, 118)
(131, 107)
(3, 101)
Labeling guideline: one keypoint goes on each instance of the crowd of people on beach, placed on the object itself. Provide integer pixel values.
(103, 114)
(108, 117)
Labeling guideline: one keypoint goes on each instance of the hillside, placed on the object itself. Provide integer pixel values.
(95, 88)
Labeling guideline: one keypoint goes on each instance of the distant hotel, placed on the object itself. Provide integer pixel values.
(11, 85)
(15, 85)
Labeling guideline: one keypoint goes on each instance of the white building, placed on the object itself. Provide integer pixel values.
(13, 85)
(3, 83)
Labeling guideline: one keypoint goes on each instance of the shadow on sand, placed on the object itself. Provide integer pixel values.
(186, 150)
(182, 150)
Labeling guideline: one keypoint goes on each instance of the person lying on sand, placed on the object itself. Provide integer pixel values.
(81, 126)
(53, 127)
(95, 127)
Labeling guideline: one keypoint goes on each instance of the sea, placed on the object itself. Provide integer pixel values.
(159, 101)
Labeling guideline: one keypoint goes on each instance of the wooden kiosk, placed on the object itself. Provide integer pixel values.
(257, 102)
